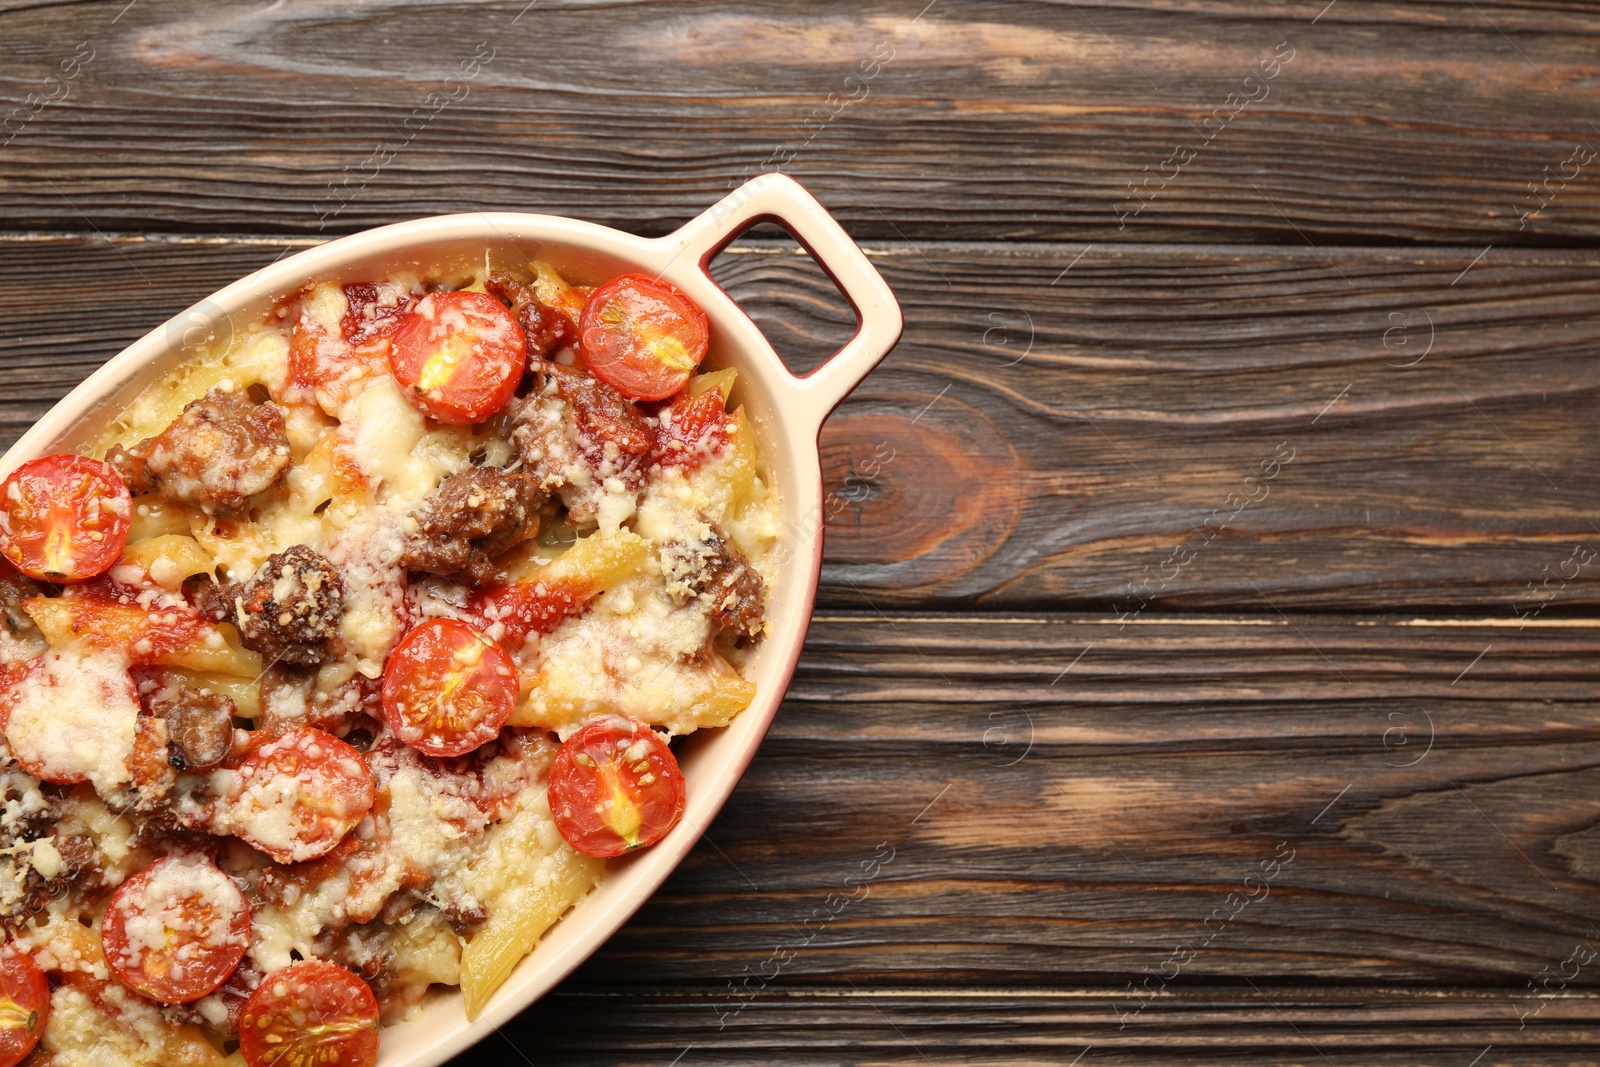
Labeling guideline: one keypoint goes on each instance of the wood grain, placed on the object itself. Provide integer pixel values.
(1061, 826)
(1125, 297)
(1261, 1024)
(1043, 439)
(1402, 122)
(1066, 800)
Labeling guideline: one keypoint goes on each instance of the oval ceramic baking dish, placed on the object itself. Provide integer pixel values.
(787, 412)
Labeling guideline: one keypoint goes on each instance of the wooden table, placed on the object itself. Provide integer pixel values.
(1207, 645)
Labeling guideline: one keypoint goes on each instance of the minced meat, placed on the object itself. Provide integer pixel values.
(220, 452)
(289, 611)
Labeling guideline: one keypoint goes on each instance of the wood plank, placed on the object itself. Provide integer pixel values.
(1057, 801)
(1233, 1024)
(1100, 121)
(1050, 439)
(1063, 829)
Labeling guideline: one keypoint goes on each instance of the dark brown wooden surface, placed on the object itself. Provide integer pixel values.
(1044, 782)
(1419, 121)
(1053, 445)
(1061, 826)
(1079, 715)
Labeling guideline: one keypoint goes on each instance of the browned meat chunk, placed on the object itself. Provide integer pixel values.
(471, 520)
(290, 700)
(547, 328)
(464, 914)
(289, 611)
(199, 726)
(366, 956)
(15, 587)
(80, 869)
(220, 452)
(574, 432)
(712, 569)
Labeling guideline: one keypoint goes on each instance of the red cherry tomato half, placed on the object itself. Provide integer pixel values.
(24, 1005)
(64, 518)
(295, 797)
(447, 689)
(615, 786)
(310, 1014)
(64, 717)
(642, 337)
(176, 930)
(459, 356)
(531, 607)
(693, 429)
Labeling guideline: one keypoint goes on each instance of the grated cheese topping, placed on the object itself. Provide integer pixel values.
(184, 907)
(73, 719)
(451, 850)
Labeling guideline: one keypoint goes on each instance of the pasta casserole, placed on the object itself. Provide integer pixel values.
(337, 665)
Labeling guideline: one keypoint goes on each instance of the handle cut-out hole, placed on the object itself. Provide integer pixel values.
(793, 301)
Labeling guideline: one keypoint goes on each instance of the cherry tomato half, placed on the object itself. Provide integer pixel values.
(295, 797)
(64, 518)
(642, 337)
(447, 689)
(310, 1014)
(459, 356)
(615, 786)
(692, 430)
(24, 1005)
(68, 718)
(176, 930)
(537, 606)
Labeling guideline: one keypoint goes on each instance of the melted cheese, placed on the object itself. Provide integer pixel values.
(62, 944)
(16, 649)
(23, 804)
(74, 719)
(263, 357)
(633, 653)
(426, 952)
(513, 858)
(277, 931)
(402, 459)
(432, 823)
(474, 843)
(380, 430)
(369, 554)
(639, 650)
(116, 1027)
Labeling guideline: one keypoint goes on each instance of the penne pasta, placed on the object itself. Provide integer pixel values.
(245, 692)
(168, 559)
(721, 380)
(554, 291)
(153, 638)
(679, 697)
(153, 518)
(533, 877)
(256, 361)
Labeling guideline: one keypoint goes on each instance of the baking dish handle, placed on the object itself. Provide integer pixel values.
(779, 198)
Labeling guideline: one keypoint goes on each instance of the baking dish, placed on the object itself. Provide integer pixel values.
(786, 411)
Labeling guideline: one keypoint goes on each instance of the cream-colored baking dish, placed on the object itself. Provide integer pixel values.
(787, 412)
